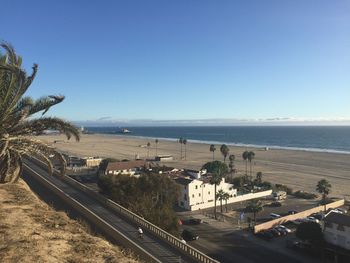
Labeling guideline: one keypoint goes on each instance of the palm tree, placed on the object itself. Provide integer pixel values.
(224, 151)
(324, 188)
(251, 156)
(181, 142)
(17, 123)
(255, 206)
(212, 149)
(184, 141)
(245, 158)
(156, 141)
(231, 164)
(226, 197)
(259, 177)
(148, 146)
(220, 195)
(215, 180)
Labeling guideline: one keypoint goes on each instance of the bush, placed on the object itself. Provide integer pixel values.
(304, 195)
(282, 187)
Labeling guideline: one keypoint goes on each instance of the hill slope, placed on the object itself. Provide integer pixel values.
(31, 231)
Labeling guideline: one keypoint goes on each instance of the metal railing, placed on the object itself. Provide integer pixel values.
(170, 239)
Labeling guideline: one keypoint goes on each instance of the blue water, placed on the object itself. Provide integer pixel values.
(311, 138)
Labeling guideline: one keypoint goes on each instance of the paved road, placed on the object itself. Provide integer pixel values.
(156, 247)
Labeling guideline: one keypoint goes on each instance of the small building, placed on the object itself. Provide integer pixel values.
(164, 158)
(129, 167)
(337, 229)
(91, 161)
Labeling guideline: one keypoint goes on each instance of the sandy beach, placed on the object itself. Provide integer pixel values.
(300, 170)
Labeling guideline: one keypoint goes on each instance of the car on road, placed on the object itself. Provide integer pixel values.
(292, 212)
(189, 235)
(192, 221)
(282, 231)
(274, 216)
(312, 219)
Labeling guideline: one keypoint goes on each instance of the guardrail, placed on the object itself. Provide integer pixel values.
(170, 239)
(93, 217)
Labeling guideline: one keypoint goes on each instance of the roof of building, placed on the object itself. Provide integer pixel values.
(338, 218)
(183, 181)
(116, 166)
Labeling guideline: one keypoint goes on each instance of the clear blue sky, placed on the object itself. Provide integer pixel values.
(186, 59)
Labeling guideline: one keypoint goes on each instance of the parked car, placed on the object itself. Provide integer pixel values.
(192, 221)
(312, 219)
(275, 232)
(273, 215)
(276, 204)
(318, 216)
(292, 212)
(265, 235)
(340, 210)
(282, 231)
(189, 235)
(285, 228)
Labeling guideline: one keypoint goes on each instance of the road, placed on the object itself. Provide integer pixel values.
(150, 243)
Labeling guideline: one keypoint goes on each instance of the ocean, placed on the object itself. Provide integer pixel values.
(308, 138)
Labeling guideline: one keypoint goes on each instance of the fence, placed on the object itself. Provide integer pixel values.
(281, 220)
(174, 241)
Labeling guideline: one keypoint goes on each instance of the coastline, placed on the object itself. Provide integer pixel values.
(255, 146)
(299, 169)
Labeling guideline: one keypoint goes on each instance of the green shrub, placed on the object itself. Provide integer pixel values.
(304, 195)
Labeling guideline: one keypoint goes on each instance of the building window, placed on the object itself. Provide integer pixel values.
(196, 186)
(340, 228)
(199, 195)
(209, 193)
(192, 196)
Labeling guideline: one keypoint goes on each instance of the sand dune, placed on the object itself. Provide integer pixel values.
(299, 169)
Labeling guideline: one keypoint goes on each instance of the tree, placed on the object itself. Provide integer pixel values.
(181, 142)
(18, 127)
(231, 164)
(148, 146)
(156, 141)
(215, 166)
(212, 149)
(245, 158)
(309, 231)
(220, 195)
(251, 156)
(224, 151)
(215, 180)
(254, 206)
(184, 141)
(324, 188)
(226, 197)
(259, 177)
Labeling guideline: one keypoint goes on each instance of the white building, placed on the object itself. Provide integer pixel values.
(337, 229)
(199, 194)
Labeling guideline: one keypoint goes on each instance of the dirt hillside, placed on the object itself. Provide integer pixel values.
(31, 231)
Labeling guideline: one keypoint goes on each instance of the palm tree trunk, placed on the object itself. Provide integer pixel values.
(156, 150)
(213, 156)
(215, 201)
(246, 167)
(250, 168)
(181, 152)
(221, 206)
(226, 205)
(324, 203)
(185, 152)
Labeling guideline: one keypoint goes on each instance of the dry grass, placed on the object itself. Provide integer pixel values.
(31, 231)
